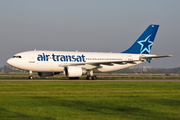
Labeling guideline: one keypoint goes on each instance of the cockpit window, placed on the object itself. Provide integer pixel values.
(17, 57)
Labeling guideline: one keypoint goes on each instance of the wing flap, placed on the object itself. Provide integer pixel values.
(110, 63)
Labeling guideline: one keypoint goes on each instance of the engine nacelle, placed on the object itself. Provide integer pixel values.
(74, 71)
(46, 74)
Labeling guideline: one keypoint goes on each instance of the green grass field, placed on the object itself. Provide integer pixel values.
(95, 100)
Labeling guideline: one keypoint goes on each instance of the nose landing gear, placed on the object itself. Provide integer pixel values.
(30, 75)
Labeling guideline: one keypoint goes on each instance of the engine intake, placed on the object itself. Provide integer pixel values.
(73, 71)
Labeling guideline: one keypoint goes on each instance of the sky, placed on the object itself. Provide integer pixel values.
(89, 25)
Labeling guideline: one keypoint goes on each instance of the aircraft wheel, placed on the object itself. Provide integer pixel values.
(94, 77)
(89, 77)
(30, 77)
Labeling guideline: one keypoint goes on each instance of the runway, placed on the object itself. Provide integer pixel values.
(84, 80)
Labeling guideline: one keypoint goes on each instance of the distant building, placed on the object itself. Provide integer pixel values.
(146, 68)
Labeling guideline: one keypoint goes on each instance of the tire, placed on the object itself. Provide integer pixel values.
(30, 77)
(94, 77)
(89, 77)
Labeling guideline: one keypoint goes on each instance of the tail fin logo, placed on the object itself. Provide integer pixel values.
(146, 45)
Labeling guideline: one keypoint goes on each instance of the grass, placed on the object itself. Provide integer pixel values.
(56, 100)
(99, 77)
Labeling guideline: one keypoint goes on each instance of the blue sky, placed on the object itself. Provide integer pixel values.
(88, 25)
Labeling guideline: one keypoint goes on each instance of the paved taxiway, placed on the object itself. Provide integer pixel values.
(79, 80)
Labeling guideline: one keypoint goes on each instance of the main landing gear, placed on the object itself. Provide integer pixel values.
(30, 75)
(90, 75)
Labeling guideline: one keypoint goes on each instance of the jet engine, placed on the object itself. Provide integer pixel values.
(47, 74)
(73, 71)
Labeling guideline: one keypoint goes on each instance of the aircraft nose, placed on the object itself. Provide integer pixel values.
(17, 63)
(10, 61)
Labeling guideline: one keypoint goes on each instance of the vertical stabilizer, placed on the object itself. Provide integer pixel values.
(144, 43)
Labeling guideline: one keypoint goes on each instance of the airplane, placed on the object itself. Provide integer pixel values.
(76, 64)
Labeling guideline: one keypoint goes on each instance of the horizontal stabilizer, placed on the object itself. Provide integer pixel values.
(154, 56)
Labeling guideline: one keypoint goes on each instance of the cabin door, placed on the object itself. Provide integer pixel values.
(31, 58)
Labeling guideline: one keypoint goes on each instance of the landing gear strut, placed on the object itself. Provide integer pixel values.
(91, 76)
(30, 75)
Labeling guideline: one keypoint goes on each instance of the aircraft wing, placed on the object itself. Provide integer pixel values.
(98, 63)
(148, 58)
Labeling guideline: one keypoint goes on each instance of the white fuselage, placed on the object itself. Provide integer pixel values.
(55, 61)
